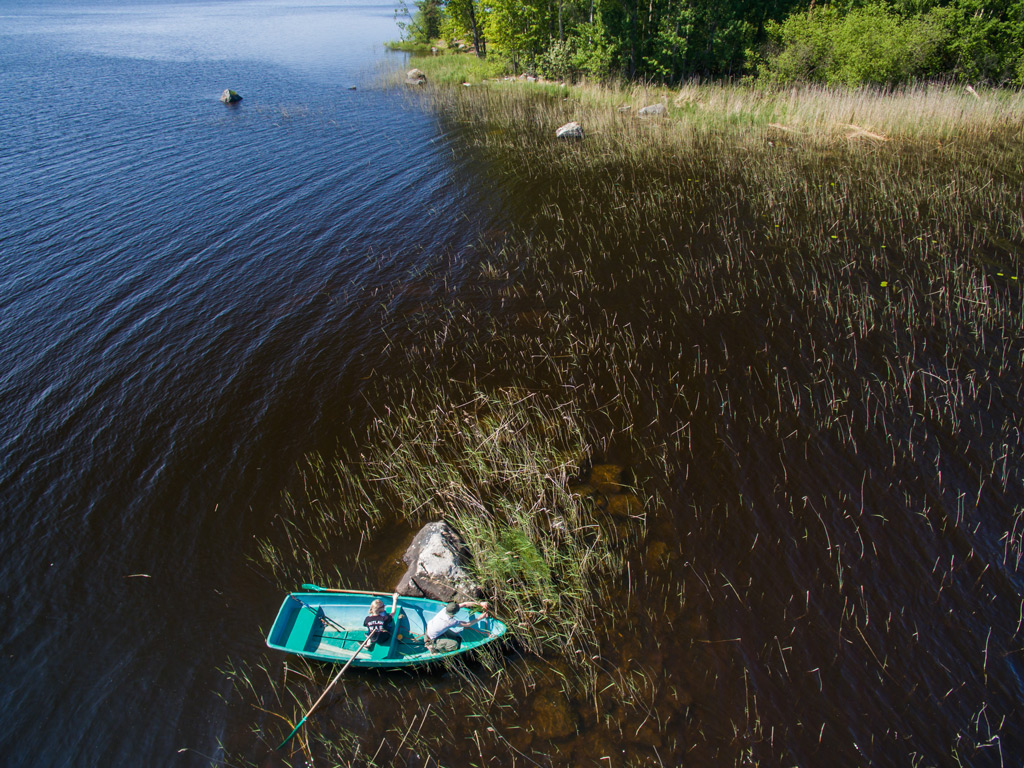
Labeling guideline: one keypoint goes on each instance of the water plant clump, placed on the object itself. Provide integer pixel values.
(497, 467)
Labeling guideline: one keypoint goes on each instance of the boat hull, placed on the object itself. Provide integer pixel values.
(328, 626)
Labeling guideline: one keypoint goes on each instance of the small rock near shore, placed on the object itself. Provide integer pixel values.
(415, 77)
(570, 131)
(230, 97)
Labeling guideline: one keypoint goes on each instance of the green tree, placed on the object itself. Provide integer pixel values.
(424, 24)
(800, 48)
(515, 32)
(594, 52)
(873, 45)
(677, 39)
(898, 41)
(986, 40)
(870, 44)
(843, 41)
(466, 17)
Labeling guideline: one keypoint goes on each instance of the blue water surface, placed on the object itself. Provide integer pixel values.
(186, 295)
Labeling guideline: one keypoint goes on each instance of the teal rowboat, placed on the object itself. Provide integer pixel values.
(328, 626)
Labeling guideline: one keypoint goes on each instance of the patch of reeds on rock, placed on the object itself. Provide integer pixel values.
(500, 469)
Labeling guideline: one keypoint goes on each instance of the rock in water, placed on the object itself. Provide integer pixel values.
(230, 97)
(552, 716)
(415, 77)
(436, 570)
(609, 478)
(653, 110)
(570, 131)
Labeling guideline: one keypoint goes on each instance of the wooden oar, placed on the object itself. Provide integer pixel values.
(328, 688)
(315, 588)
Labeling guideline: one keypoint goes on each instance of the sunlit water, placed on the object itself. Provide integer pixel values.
(184, 294)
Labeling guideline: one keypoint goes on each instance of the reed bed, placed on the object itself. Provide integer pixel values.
(818, 115)
(823, 330)
(808, 348)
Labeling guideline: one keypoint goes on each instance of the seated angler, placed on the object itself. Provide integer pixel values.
(440, 637)
(379, 624)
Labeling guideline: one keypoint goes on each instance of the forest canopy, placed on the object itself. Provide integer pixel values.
(883, 42)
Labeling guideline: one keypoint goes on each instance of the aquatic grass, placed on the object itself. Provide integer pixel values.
(880, 273)
(807, 348)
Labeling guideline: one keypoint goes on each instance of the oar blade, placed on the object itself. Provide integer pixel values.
(294, 731)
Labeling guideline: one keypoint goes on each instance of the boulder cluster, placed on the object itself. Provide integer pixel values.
(574, 130)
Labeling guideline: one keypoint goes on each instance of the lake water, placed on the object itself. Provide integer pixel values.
(184, 295)
(193, 296)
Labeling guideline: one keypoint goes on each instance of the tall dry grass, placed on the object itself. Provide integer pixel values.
(815, 114)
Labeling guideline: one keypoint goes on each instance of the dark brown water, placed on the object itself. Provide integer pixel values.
(829, 418)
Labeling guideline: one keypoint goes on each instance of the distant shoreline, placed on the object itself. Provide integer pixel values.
(798, 113)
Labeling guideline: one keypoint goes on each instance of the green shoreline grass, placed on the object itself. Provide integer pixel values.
(799, 113)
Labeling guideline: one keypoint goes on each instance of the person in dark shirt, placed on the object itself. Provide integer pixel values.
(380, 624)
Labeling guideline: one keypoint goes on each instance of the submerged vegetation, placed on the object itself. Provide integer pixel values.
(798, 317)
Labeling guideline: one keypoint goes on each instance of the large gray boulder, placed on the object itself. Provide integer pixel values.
(415, 77)
(436, 559)
(230, 97)
(653, 110)
(570, 131)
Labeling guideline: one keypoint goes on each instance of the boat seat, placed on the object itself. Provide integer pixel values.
(301, 634)
(380, 651)
(387, 651)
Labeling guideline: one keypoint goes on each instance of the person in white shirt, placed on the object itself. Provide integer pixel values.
(439, 627)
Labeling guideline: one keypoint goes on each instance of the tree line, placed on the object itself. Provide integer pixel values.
(850, 42)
